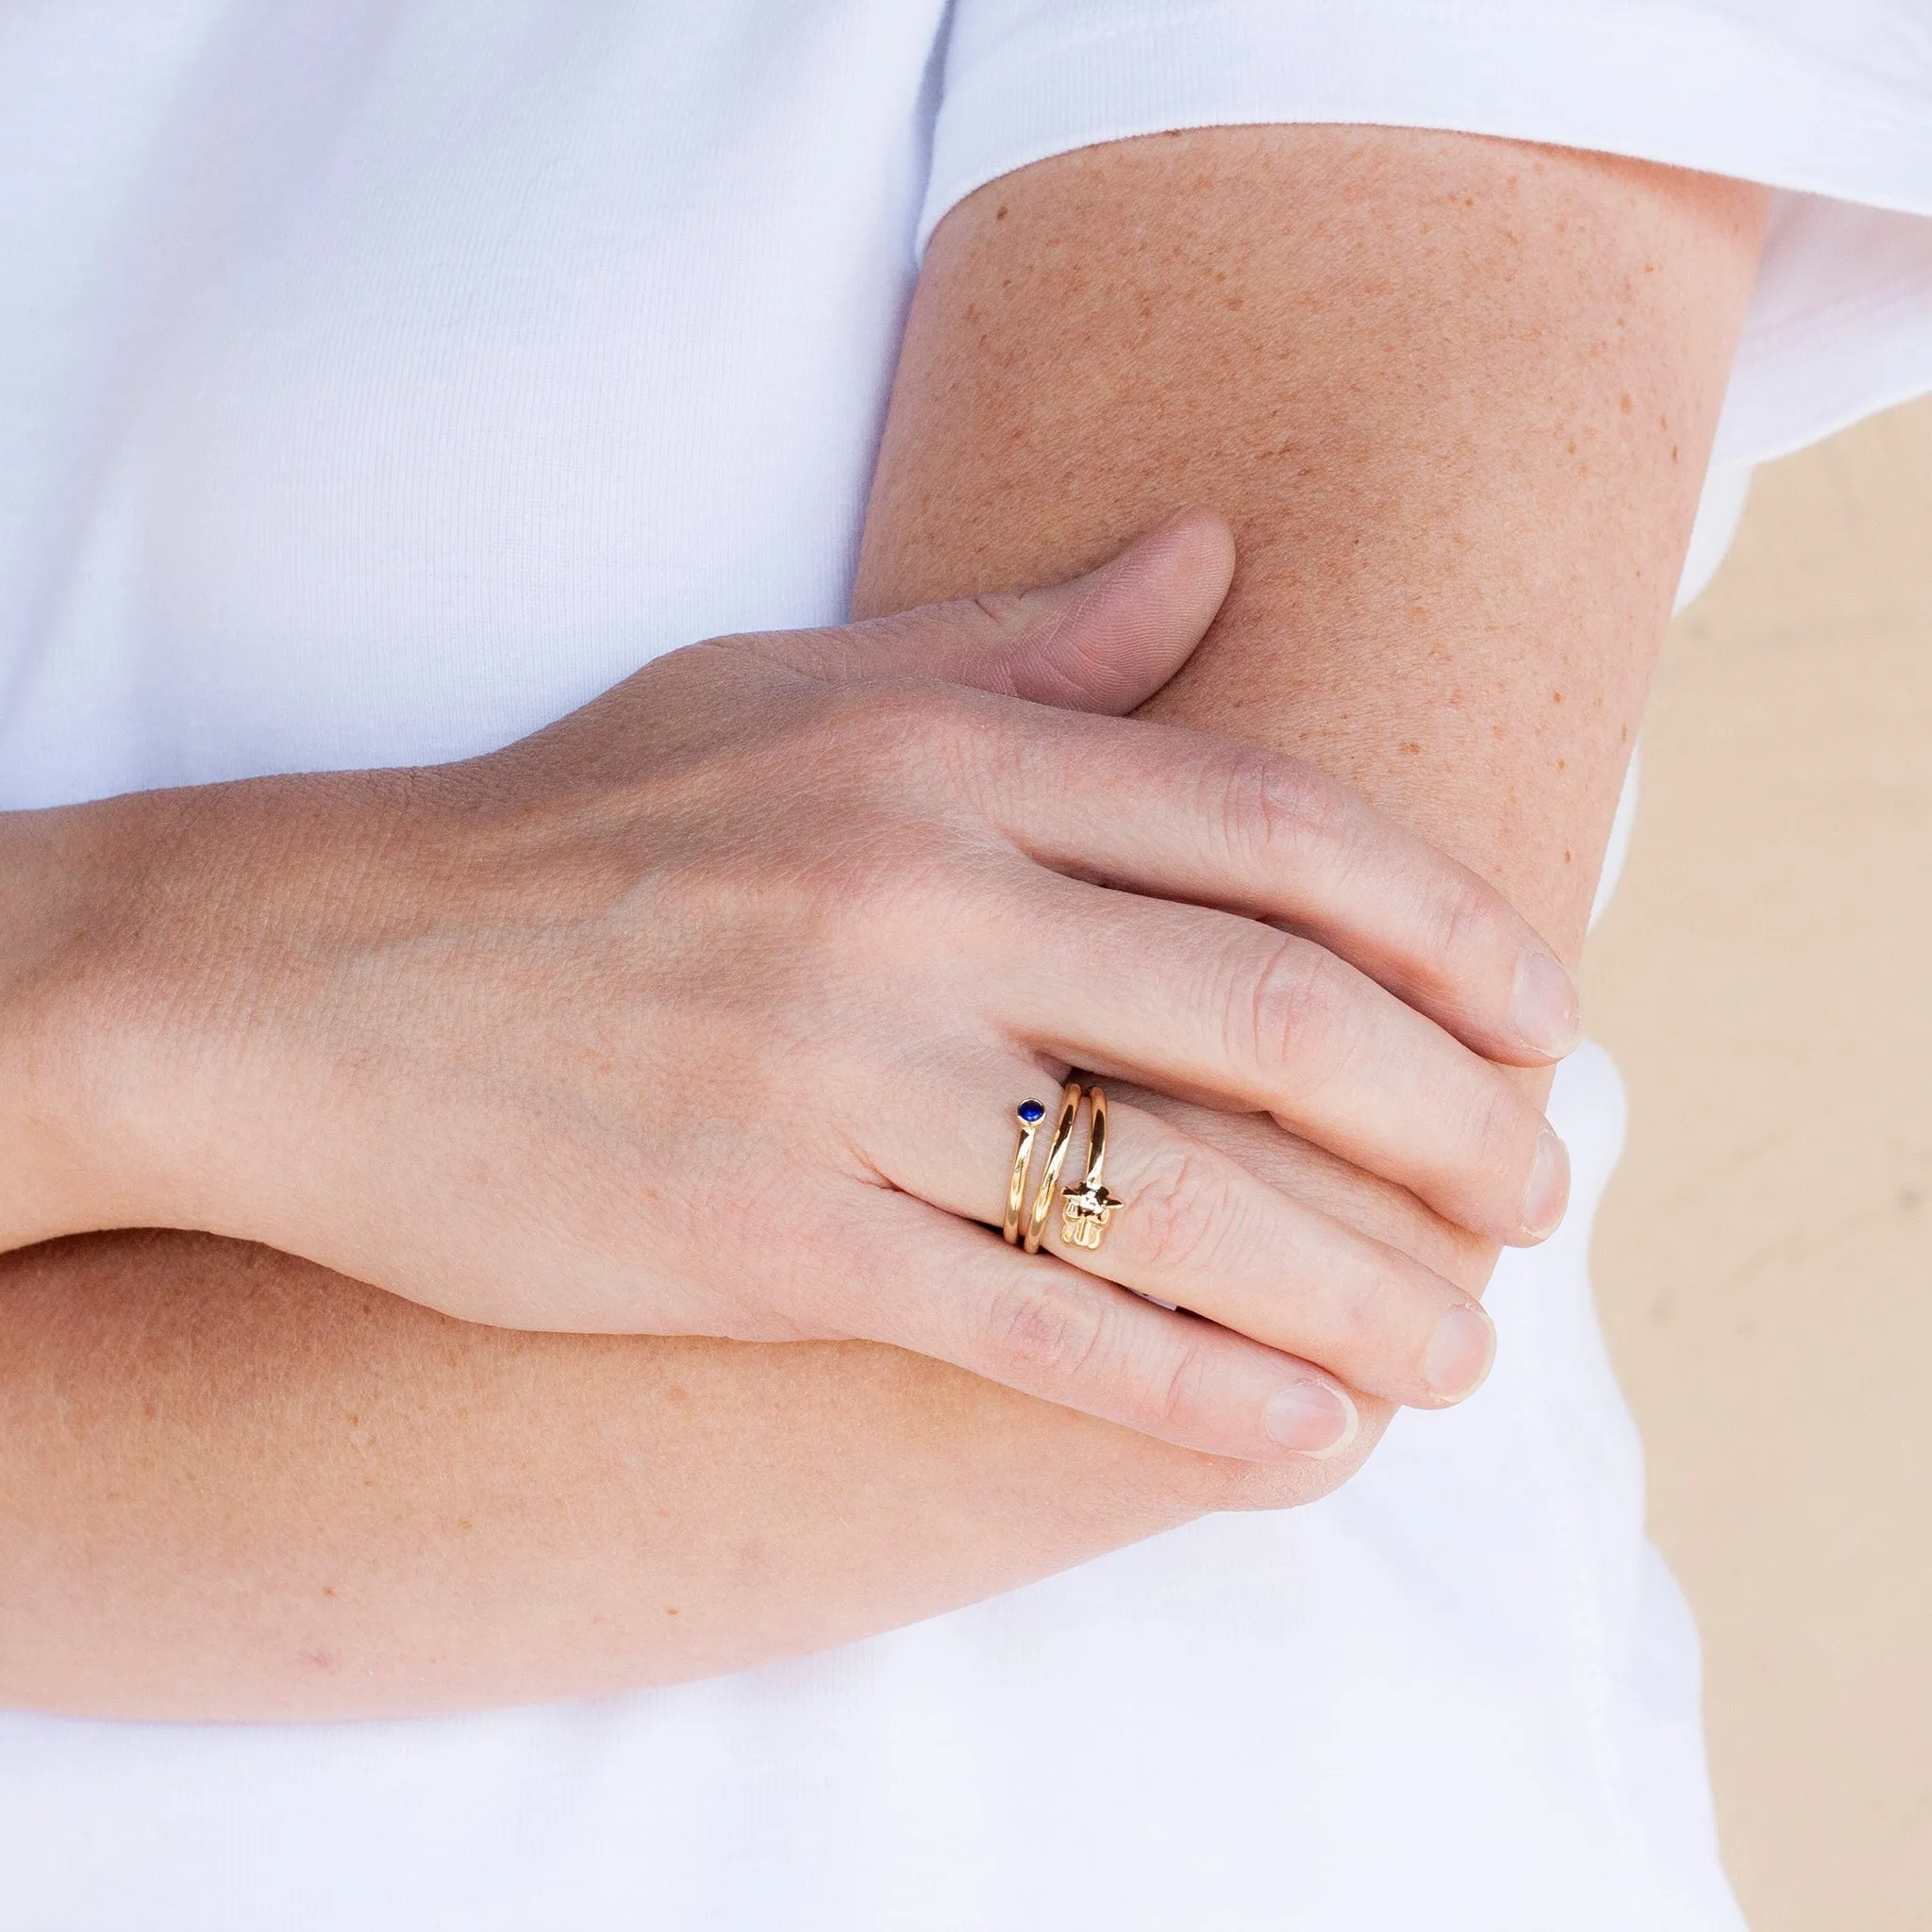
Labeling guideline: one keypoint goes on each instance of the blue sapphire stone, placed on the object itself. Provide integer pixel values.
(1032, 1112)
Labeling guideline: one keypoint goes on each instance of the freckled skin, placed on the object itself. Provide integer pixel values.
(1395, 361)
(1374, 458)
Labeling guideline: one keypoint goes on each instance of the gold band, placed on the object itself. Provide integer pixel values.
(1056, 1160)
(1086, 1210)
(1029, 1113)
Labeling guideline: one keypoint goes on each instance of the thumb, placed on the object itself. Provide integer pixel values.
(1105, 641)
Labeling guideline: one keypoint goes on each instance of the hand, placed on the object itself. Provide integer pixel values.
(706, 1011)
(1374, 1208)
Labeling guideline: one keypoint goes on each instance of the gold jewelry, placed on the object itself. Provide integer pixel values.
(1056, 1160)
(1029, 1113)
(1086, 1210)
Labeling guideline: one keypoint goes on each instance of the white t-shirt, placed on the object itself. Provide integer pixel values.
(381, 378)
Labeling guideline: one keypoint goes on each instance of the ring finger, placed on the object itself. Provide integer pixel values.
(1195, 1229)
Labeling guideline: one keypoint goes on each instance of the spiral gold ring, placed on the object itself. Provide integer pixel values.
(1029, 1113)
(1056, 1160)
(1086, 1210)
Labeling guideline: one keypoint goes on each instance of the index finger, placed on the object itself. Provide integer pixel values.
(1182, 815)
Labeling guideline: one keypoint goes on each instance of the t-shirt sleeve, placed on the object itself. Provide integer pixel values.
(1830, 103)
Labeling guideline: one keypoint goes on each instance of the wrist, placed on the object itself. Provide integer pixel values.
(139, 962)
(59, 866)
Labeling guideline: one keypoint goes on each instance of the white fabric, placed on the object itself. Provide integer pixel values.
(380, 378)
(1719, 510)
(1832, 103)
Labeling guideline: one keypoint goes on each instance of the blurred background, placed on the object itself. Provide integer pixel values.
(1765, 978)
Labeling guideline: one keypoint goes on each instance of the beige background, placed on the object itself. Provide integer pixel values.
(1764, 1256)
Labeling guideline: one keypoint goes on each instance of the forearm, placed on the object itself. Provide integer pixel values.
(240, 1487)
(1427, 565)
(136, 932)
(51, 865)
(1477, 380)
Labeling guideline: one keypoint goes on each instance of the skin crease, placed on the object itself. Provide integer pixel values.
(1456, 397)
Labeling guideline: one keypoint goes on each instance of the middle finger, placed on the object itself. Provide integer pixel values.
(1210, 1004)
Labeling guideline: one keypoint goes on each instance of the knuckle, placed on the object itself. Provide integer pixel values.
(1163, 1377)
(1296, 999)
(1180, 1213)
(1057, 1334)
(1382, 1315)
(1465, 923)
(1166, 1383)
(1046, 1327)
(1001, 612)
(1278, 809)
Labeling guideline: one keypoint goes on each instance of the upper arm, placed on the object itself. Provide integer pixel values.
(1454, 394)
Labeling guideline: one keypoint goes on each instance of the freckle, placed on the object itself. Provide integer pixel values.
(1562, 764)
(669, 1611)
(1663, 422)
(1410, 746)
(1566, 858)
(1674, 452)
(328, 1590)
(1236, 301)
(464, 1523)
(1000, 213)
(1623, 404)
(1573, 449)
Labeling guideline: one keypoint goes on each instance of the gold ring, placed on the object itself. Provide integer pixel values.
(1086, 1210)
(1056, 1160)
(1029, 1113)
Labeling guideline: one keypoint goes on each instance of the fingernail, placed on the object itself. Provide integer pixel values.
(1459, 1355)
(1312, 1418)
(1543, 1009)
(1548, 1192)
